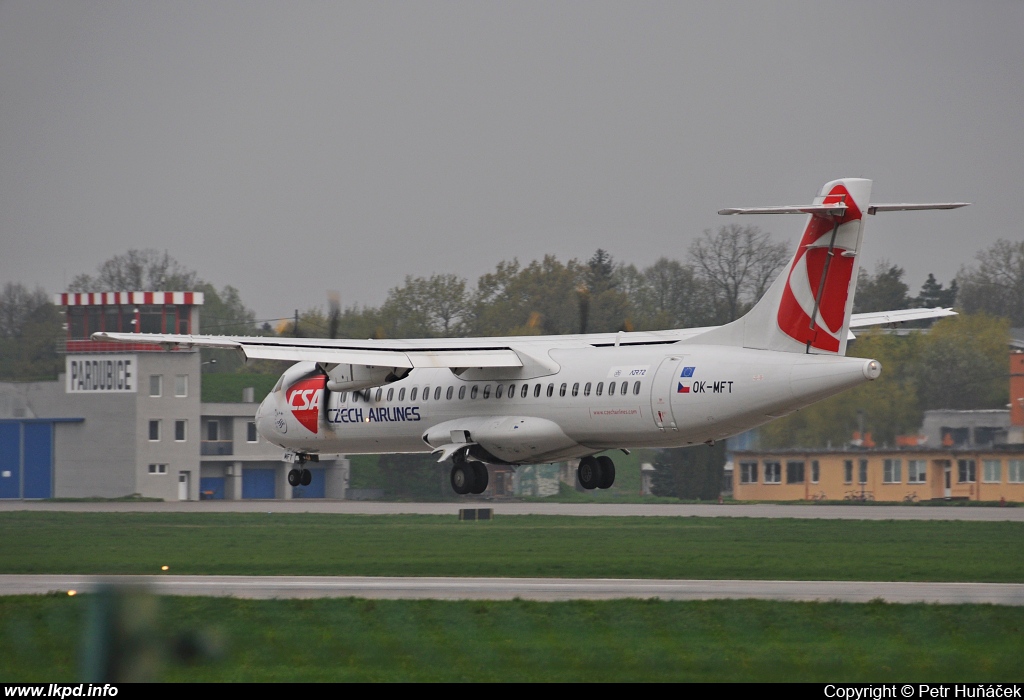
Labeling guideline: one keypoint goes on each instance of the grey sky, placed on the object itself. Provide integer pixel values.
(294, 147)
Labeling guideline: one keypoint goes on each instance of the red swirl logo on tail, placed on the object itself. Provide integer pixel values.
(805, 278)
(304, 398)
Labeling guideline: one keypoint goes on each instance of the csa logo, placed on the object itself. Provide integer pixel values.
(304, 397)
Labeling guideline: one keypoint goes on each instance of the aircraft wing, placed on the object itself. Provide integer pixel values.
(878, 318)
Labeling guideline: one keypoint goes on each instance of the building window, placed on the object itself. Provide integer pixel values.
(179, 430)
(993, 471)
(1015, 471)
(892, 471)
(965, 471)
(181, 385)
(156, 385)
(250, 432)
(154, 431)
(916, 471)
(815, 471)
(772, 472)
(748, 472)
(863, 472)
(157, 468)
(213, 430)
(848, 471)
(794, 472)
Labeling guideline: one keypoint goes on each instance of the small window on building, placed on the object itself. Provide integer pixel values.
(892, 471)
(772, 472)
(794, 472)
(993, 471)
(474, 391)
(213, 430)
(965, 471)
(815, 471)
(748, 472)
(181, 385)
(916, 471)
(179, 430)
(1015, 471)
(156, 385)
(575, 388)
(250, 432)
(157, 468)
(586, 389)
(848, 471)
(154, 430)
(863, 472)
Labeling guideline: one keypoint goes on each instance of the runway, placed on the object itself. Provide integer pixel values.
(733, 510)
(553, 589)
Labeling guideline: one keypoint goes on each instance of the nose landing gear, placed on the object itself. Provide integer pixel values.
(596, 472)
(301, 476)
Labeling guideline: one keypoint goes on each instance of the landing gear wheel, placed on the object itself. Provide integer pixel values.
(607, 472)
(294, 477)
(306, 478)
(463, 478)
(589, 473)
(480, 477)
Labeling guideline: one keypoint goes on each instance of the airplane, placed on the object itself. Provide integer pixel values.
(542, 399)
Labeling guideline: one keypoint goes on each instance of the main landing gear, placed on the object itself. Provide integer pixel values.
(596, 472)
(301, 476)
(468, 477)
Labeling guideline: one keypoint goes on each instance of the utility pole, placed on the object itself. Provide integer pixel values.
(295, 328)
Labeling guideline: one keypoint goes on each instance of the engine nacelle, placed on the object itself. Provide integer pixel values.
(504, 439)
(347, 377)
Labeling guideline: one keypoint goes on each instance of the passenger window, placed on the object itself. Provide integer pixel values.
(391, 394)
(462, 392)
(497, 391)
(355, 397)
(437, 393)
(366, 395)
(341, 396)
(623, 388)
(426, 393)
(599, 388)
(511, 391)
(636, 388)
(487, 391)
(448, 394)
(525, 391)
(551, 390)
(536, 391)
(561, 389)
(575, 388)
(611, 388)
(412, 394)
(401, 394)
(586, 389)
(473, 391)
(377, 397)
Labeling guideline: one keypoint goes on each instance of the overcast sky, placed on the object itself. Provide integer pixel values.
(289, 148)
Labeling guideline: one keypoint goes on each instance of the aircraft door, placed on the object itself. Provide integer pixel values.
(661, 393)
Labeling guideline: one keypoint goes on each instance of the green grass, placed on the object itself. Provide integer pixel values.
(545, 546)
(629, 640)
(227, 387)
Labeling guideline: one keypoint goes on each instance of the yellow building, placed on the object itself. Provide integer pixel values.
(880, 474)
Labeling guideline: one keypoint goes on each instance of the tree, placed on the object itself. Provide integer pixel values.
(603, 306)
(540, 298)
(668, 294)
(738, 262)
(933, 296)
(690, 473)
(996, 284)
(885, 290)
(426, 307)
(962, 364)
(30, 329)
(138, 270)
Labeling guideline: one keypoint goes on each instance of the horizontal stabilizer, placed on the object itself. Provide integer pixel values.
(826, 210)
(875, 208)
(878, 318)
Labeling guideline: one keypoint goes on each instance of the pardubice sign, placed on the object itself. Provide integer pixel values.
(100, 373)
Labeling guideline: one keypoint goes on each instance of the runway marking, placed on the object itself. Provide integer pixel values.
(555, 589)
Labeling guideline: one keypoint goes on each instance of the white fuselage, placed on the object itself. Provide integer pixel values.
(662, 396)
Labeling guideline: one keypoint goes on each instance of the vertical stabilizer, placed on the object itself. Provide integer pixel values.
(807, 309)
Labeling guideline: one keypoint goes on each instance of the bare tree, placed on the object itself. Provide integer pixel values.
(138, 270)
(739, 262)
(996, 284)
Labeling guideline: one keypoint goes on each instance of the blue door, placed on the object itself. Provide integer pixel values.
(317, 487)
(258, 483)
(10, 460)
(38, 460)
(211, 488)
